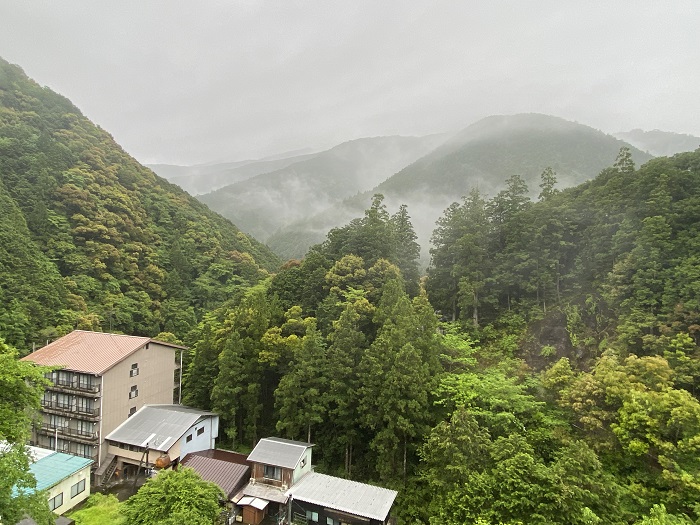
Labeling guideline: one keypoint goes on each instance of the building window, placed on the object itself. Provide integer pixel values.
(331, 521)
(64, 402)
(132, 411)
(83, 404)
(85, 428)
(312, 516)
(58, 421)
(134, 370)
(134, 392)
(189, 438)
(56, 501)
(77, 488)
(200, 431)
(271, 472)
(83, 450)
(303, 463)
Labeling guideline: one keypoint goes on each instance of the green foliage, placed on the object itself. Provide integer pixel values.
(99, 509)
(21, 390)
(172, 497)
(90, 238)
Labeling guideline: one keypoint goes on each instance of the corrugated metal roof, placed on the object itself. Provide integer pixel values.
(54, 468)
(344, 495)
(159, 426)
(229, 476)
(89, 352)
(279, 452)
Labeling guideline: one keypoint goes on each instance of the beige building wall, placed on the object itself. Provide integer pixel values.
(65, 488)
(153, 384)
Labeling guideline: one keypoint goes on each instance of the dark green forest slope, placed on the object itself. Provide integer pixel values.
(91, 239)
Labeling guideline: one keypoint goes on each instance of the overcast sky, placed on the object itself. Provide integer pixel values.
(188, 82)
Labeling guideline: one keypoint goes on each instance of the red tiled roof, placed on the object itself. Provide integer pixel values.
(89, 352)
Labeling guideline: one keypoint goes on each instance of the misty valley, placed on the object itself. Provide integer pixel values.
(502, 324)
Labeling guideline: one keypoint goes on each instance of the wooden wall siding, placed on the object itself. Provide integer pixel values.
(258, 470)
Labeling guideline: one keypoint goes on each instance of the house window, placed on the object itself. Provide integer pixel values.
(134, 370)
(189, 438)
(132, 411)
(272, 472)
(56, 501)
(200, 431)
(331, 521)
(134, 392)
(312, 516)
(77, 488)
(303, 463)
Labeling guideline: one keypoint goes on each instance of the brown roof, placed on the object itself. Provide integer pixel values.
(90, 352)
(227, 475)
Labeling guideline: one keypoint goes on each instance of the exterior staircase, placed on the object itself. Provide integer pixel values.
(110, 463)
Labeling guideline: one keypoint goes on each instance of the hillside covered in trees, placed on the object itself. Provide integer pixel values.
(93, 240)
(544, 371)
(481, 156)
(558, 385)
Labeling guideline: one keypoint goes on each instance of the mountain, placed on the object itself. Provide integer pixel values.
(205, 178)
(660, 143)
(263, 204)
(91, 239)
(481, 156)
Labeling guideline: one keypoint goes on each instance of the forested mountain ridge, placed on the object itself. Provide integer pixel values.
(564, 391)
(267, 202)
(201, 179)
(660, 143)
(94, 240)
(482, 156)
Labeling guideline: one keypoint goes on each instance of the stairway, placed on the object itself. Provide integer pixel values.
(111, 462)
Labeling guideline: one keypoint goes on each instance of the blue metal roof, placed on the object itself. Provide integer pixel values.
(56, 467)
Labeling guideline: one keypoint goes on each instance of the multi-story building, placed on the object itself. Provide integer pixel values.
(101, 379)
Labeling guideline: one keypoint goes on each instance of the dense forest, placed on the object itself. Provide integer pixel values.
(92, 239)
(543, 371)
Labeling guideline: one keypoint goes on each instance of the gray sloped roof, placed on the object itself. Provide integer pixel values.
(159, 426)
(279, 452)
(344, 495)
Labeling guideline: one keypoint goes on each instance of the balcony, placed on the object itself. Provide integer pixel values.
(67, 409)
(69, 434)
(75, 387)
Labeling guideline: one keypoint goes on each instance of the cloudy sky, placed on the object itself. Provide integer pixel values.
(187, 82)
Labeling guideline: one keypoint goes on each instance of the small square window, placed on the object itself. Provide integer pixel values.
(134, 392)
(200, 431)
(132, 411)
(134, 370)
(312, 516)
(189, 438)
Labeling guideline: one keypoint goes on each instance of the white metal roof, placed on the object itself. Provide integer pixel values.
(344, 495)
(158, 426)
(279, 452)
